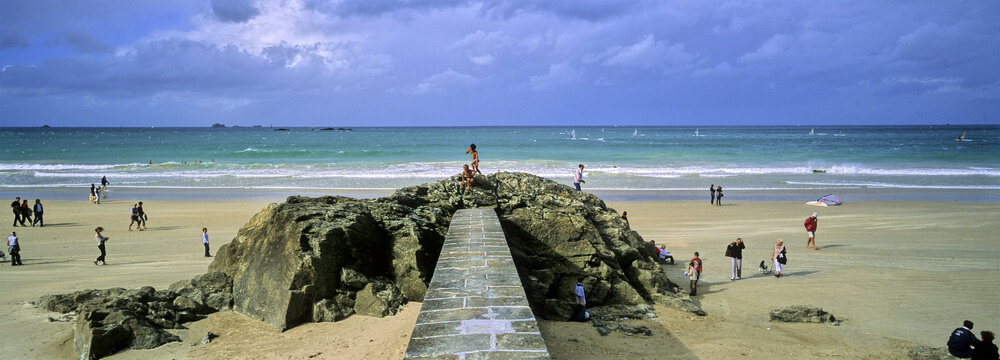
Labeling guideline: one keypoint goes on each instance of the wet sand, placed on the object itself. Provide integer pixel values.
(900, 273)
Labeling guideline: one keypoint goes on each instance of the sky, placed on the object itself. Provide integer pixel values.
(498, 62)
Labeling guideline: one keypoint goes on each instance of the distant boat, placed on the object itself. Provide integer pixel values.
(840, 134)
(635, 132)
(572, 135)
(696, 133)
(281, 129)
(812, 131)
(962, 138)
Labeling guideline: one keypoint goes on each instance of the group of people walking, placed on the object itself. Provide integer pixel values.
(23, 212)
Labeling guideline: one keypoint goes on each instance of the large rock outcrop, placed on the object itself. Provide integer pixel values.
(111, 320)
(309, 258)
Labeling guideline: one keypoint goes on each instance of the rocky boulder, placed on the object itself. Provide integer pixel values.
(308, 259)
(379, 298)
(803, 313)
(922, 352)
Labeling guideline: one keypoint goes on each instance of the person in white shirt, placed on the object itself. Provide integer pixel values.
(14, 248)
(578, 177)
(204, 241)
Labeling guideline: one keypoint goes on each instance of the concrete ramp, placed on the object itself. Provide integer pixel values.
(475, 307)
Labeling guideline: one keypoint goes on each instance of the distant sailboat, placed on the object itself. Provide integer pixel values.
(962, 138)
(696, 133)
(572, 135)
(812, 131)
(635, 132)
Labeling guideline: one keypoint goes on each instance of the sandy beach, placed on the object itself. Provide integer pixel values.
(899, 273)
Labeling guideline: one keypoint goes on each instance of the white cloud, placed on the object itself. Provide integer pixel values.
(486, 59)
(444, 81)
(558, 75)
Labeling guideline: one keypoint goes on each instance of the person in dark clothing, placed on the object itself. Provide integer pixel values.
(962, 341)
(735, 253)
(711, 189)
(25, 213)
(625, 218)
(95, 195)
(580, 311)
(986, 350)
(142, 217)
(16, 207)
(38, 213)
(104, 182)
(718, 196)
(100, 245)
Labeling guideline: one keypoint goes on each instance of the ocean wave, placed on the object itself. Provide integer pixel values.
(54, 167)
(885, 185)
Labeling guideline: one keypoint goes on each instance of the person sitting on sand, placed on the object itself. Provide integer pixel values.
(475, 158)
(962, 340)
(986, 350)
(778, 255)
(467, 177)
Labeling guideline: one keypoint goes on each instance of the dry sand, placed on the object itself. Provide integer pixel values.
(901, 273)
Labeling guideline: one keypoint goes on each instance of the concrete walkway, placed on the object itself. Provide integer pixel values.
(475, 307)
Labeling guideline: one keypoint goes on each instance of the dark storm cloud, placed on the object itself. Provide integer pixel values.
(234, 10)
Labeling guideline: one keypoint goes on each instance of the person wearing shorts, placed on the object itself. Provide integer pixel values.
(135, 217)
(810, 225)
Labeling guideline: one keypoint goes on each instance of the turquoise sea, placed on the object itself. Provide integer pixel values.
(659, 159)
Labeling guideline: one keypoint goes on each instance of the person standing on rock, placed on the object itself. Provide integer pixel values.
(204, 241)
(962, 340)
(735, 253)
(100, 245)
(810, 225)
(625, 218)
(694, 273)
(475, 158)
(578, 177)
(711, 190)
(14, 248)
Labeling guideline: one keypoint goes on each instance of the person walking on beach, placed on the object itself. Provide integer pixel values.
(204, 241)
(104, 183)
(475, 158)
(142, 217)
(14, 248)
(578, 177)
(810, 225)
(16, 208)
(778, 255)
(694, 273)
(134, 213)
(718, 196)
(101, 239)
(25, 212)
(735, 253)
(711, 199)
(467, 177)
(38, 213)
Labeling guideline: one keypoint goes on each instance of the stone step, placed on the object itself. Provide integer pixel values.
(475, 307)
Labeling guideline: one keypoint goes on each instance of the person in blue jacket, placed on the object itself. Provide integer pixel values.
(962, 341)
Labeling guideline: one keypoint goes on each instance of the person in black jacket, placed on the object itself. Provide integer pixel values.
(986, 349)
(962, 341)
(711, 189)
(735, 253)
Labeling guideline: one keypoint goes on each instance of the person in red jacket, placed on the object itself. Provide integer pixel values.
(811, 230)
